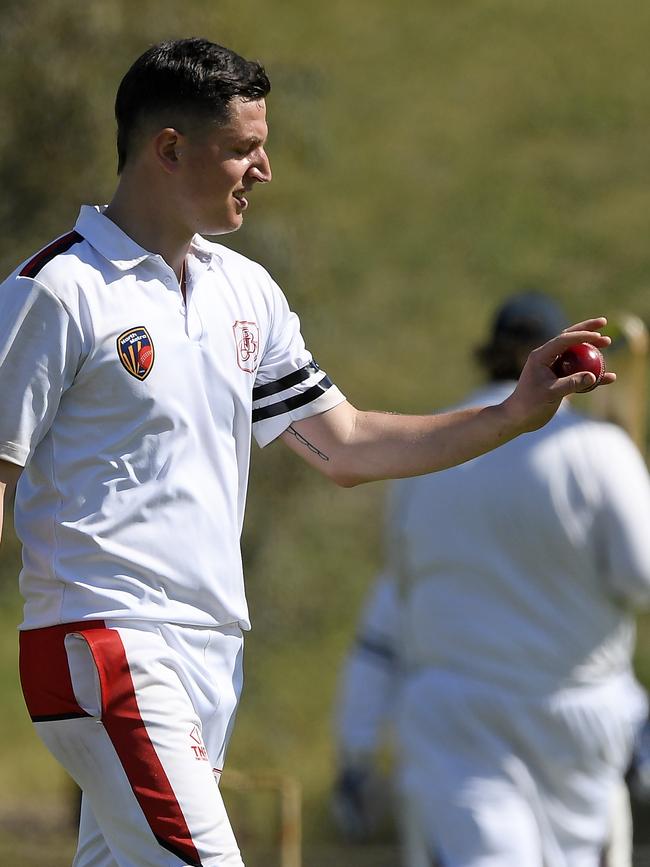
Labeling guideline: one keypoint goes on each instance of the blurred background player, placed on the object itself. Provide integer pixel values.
(498, 642)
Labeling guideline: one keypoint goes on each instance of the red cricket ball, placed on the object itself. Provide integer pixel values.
(145, 357)
(580, 357)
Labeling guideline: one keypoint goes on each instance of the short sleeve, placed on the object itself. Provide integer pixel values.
(289, 384)
(40, 346)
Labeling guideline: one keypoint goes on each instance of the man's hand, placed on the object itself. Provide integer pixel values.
(539, 392)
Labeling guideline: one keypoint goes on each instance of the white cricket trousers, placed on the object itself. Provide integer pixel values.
(139, 714)
(495, 780)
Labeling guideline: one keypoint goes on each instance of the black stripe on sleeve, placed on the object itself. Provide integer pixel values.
(376, 648)
(61, 245)
(287, 381)
(294, 402)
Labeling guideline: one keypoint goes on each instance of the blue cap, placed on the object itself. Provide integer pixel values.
(529, 317)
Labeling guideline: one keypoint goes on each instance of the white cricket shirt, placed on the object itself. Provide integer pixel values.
(132, 413)
(522, 567)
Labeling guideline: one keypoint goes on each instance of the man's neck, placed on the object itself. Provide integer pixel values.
(137, 216)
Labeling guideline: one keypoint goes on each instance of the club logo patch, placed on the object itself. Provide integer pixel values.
(136, 352)
(247, 341)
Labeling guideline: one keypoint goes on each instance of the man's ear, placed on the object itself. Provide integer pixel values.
(167, 147)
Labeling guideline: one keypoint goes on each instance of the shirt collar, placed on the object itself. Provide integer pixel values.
(116, 246)
(205, 251)
(108, 239)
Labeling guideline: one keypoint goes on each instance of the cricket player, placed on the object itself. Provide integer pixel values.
(136, 360)
(497, 642)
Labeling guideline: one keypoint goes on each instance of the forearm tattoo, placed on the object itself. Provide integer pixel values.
(304, 442)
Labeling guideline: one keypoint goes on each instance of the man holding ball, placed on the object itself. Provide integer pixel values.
(136, 359)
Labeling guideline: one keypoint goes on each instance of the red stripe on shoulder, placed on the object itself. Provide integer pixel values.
(61, 245)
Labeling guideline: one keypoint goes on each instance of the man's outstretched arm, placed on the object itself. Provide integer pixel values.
(9, 475)
(351, 446)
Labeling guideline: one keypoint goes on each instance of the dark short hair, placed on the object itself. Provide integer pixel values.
(180, 78)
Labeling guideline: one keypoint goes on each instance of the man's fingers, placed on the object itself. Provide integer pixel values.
(589, 324)
(554, 347)
(580, 382)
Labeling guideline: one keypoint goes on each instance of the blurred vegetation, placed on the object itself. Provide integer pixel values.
(427, 162)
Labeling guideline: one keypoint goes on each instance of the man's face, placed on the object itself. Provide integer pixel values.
(220, 166)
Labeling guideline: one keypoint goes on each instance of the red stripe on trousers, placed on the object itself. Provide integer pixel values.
(127, 731)
(44, 672)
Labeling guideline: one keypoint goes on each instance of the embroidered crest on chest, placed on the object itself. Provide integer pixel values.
(135, 351)
(247, 341)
